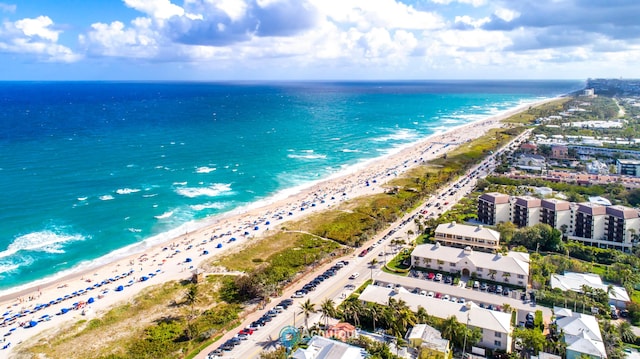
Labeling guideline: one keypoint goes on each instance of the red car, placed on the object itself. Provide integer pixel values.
(363, 253)
(431, 275)
(247, 331)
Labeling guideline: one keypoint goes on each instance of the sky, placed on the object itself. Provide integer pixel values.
(208, 40)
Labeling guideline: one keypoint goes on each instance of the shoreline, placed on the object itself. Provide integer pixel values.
(178, 255)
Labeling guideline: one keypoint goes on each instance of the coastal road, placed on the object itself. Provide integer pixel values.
(334, 287)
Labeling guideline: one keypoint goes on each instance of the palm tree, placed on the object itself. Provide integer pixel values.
(328, 309)
(492, 274)
(374, 311)
(350, 309)
(372, 264)
(626, 334)
(422, 316)
(450, 328)
(506, 276)
(307, 309)
(191, 298)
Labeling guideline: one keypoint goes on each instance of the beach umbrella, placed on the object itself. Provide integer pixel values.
(256, 228)
(32, 323)
(187, 260)
(205, 252)
(119, 288)
(90, 300)
(313, 204)
(232, 239)
(267, 223)
(144, 278)
(64, 310)
(219, 245)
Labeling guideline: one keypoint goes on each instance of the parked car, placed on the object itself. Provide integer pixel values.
(438, 277)
(354, 275)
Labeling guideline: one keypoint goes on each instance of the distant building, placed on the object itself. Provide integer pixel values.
(622, 225)
(462, 235)
(495, 326)
(589, 220)
(574, 282)
(559, 151)
(628, 167)
(531, 162)
(429, 338)
(512, 268)
(581, 334)
(323, 348)
(529, 147)
(589, 92)
(493, 208)
(597, 167)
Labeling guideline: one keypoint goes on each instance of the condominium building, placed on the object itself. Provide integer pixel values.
(493, 208)
(594, 224)
(461, 235)
(525, 211)
(556, 213)
(628, 167)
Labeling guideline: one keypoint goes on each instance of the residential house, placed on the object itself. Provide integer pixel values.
(575, 282)
(323, 348)
(581, 334)
(429, 338)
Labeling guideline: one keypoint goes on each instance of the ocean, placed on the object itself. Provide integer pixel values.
(91, 171)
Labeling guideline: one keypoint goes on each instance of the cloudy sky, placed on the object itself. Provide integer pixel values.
(318, 39)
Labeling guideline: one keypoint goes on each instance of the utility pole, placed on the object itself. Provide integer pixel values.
(464, 345)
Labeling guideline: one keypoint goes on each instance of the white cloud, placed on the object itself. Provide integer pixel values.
(467, 20)
(35, 36)
(235, 9)
(10, 8)
(474, 3)
(506, 14)
(39, 26)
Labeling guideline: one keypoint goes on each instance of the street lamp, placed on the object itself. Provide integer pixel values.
(464, 345)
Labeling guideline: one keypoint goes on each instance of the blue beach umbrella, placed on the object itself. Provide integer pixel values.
(144, 278)
(219, 245)
(267, 223)
(119, 288)
(90, 300)
(32, 323)
(187, 260)
(205, 252)
(64, 310)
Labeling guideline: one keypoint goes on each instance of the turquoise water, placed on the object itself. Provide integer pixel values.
(92, 168)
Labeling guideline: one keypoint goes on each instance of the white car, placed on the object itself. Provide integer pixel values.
(430, 294)
(297, 295)
(446, 297)
(354, 275)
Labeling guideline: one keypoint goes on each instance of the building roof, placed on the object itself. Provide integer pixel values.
(622, 212)
(574, 282)
(495, 197)
(430, 337)
(593, 209)
(478, 317)
(323, 348)
(528, 201)
(464, 230)
(555, 204)
(629, 162)
(513, 262)
(582, 334)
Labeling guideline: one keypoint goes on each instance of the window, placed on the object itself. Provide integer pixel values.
(498, 335)
(479, 269)
(497, 343)
(520, 276)
(452, 264)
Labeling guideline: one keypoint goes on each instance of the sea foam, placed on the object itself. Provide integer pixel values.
(214, 190)
(43, 241)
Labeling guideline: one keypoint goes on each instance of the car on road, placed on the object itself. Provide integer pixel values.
(363, 253)
(215, 353)
(247, 331)
(354, 275)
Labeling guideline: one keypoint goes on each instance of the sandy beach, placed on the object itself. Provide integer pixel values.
(87, 294)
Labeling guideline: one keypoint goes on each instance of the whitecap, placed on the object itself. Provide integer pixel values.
(209, 205)
(43, 241)
(82, 198)
(179, 183)
(127, 190)
(165, 215)
(347, 150)
(399, 135)
(106, 197)
(214, 190)
(149, 195)
(205, 169)
(307, 157)
(134, 230)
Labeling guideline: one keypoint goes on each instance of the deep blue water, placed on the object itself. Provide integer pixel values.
(91, 167)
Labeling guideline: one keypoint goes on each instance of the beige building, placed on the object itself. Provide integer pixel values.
(512, 268)
(495, 326)
(494, 208)
(556, 213)
(462, 235)
(525, 211)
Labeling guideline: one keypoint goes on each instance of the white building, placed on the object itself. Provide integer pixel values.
(323, 348)
(462, 235)
(496, 326)
(581, 333)
(512, 268)
(574, 282)
(423, 335)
